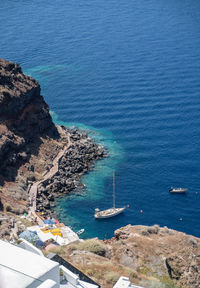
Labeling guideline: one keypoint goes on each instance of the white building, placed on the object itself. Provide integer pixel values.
(124, 282)
(28, 268)
(20, 268)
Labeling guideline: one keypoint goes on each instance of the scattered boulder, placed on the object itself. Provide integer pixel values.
(76, 161)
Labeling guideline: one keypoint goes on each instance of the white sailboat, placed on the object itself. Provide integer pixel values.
(111, 212)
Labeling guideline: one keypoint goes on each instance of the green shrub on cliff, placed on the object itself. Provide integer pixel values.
(91, 245)
(112, 277)
(167, 281)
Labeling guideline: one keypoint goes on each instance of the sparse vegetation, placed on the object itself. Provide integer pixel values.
(167, 281)
(132, 274)
(112, 277)
(150, 230)
(193, 242)
(91, 245)
(60, 250)
(25, 221)
(153, 229)
(89, 272)
(145, 270)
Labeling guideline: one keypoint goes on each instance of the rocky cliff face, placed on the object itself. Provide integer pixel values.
(28, 138)
(152, 257)
(24, 118)
(30, 142)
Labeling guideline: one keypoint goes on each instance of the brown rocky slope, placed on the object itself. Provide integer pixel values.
(152, 257)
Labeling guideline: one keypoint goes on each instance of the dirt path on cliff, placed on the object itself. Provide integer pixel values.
(34, 188)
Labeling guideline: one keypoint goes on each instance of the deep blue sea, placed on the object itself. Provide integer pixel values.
(129, 73)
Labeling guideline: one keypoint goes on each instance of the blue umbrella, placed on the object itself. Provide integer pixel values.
(49, 221)
(30, 236)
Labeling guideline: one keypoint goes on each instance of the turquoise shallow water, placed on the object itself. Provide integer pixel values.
(128, 71)
(78, 211)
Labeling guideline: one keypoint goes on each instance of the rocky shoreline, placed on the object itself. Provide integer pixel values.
(30, 145)
(77, 160)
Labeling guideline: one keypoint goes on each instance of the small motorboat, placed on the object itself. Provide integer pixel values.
(80, 231)
(178, 190)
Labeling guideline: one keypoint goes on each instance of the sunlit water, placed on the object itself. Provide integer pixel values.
(129, 73)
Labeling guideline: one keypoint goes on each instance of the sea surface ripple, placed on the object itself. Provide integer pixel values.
(129, 73)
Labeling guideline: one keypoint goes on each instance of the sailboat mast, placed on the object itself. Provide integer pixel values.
(113, 189)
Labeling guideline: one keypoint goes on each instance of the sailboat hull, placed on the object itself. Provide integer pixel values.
(111, 212)
(108, 213)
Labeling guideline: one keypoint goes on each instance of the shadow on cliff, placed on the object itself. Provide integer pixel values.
(24, 120)
(26, 131)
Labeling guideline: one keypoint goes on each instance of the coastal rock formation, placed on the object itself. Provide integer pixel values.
(24, 118)
(149, 256)
(28, 137)
(29, 143)
(77, 160)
